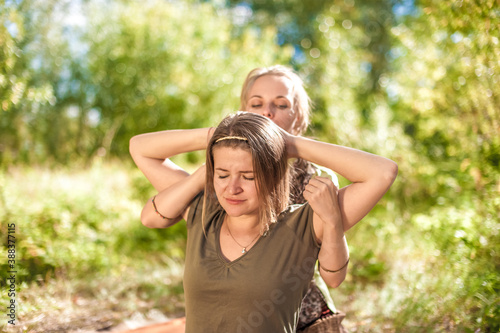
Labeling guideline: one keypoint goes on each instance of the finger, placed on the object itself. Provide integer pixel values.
(325, 180)
(312, 187)
(314, 182)
(320, 188)
(322, 184)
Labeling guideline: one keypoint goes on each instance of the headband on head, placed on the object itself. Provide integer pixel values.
(231, 138)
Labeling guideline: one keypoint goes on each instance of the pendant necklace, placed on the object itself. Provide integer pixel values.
(244, 247)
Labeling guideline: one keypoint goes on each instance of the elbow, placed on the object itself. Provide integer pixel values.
(148, 222)
(334, 279)
(148, 219)
(390, 172)
(132, 145)
(335, 285)
(153, 223)
(151, 220)
(336, 282)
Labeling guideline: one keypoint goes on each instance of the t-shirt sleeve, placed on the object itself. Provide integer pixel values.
(300, 219)
(196, 209)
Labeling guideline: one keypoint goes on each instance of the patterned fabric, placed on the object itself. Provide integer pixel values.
(316, 316)
(317, 304)
(313, 306)
(327, 324)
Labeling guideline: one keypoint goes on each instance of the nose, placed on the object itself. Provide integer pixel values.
(268, 111)
(234, 186)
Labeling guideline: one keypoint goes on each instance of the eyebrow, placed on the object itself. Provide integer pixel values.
(224, 170)
(259, 96)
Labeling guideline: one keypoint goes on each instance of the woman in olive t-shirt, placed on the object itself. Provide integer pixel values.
(246, 187)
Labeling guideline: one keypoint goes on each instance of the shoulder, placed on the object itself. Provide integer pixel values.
(201, 206)
(296, 215)
(299, 219)
(296, 209)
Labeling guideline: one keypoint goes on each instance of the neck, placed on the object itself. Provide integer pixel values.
(243, 224)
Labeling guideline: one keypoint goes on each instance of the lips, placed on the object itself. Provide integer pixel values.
(233, 201)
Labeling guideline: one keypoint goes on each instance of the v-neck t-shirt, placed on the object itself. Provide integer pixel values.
(261, 291)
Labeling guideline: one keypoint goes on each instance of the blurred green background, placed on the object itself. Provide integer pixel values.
(415, 81)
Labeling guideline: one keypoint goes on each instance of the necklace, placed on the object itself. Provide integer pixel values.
(244, 247)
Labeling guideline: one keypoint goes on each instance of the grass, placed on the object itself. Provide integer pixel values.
(84, 261)
(82, 251)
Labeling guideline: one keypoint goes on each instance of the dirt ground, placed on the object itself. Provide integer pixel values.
(86, 321)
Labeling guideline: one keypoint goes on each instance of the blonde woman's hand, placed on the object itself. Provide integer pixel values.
(290, 143)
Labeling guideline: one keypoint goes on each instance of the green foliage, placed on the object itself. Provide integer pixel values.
(82, 229)
(111, 71)
(23, 92)
(71, 230)
(419, 86)
(448, 106)
(368, 269)
(428, 101)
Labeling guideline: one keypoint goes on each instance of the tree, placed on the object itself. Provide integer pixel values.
(23, 93)
(128, 68)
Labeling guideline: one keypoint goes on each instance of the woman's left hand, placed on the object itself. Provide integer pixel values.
(321, 193)
(290, 143)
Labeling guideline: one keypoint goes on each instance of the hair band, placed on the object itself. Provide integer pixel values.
(231, 138)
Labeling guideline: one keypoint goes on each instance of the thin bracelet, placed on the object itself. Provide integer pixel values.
(338, 270)
(156, 210)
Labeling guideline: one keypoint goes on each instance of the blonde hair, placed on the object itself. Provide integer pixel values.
(264, 140)
(301, 101)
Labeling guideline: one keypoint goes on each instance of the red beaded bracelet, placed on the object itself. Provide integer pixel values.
(156, 210)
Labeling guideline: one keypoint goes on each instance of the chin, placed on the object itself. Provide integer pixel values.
(233, 212)
(237, 211)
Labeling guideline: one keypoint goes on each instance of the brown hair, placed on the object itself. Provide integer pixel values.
(266, 144)
(301, 101)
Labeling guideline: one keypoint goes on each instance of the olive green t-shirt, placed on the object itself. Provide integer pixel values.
(262, 290)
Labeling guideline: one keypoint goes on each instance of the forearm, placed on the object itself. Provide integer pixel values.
(172, 203)
(165, 144)
(371, 175)
(151, 151)
(355, 165)
(334, 253)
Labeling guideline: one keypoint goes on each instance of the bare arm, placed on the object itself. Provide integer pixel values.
(172, 204)
(151, 153)
(175, 186)
(371, 175)
(333, 256)
(336, 211)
